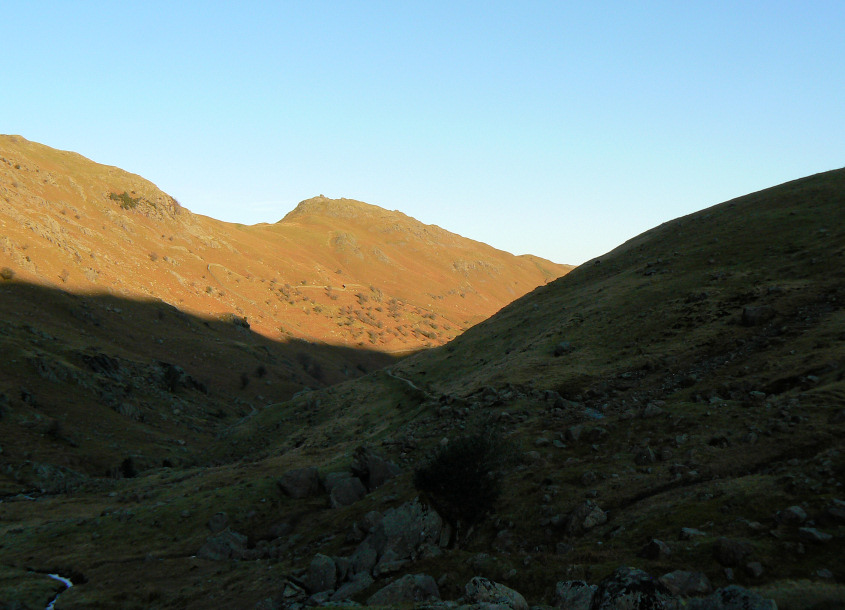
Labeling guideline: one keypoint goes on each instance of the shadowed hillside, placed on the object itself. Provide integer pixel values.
(675, 405)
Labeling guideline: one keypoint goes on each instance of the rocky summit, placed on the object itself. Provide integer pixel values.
(662, 427)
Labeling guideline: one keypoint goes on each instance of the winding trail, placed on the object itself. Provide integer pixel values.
(410, 383)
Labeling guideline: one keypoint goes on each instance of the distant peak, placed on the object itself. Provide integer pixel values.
(335, 208)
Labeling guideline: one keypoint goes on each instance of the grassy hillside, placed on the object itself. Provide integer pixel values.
(688, 386)
(364, 278)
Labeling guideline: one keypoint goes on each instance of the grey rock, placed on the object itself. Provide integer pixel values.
(372, 469)
(348, 590)
(411, 588)
(300, 483)
(645, 456)
(652, 410)
(347, 491)
(754, 569)
(322, 574)
(218, 522)
(686, 584)
(792, 515)
(333, 478)
(574, 595)
(631, 589)
(573, 433)
(688, 533)
(404, 529)
(655, 549)
(732, 597)
(729, 552)
(836, 511)
(225, 545)
(318, 599)
(586, 516)
(364, 559)
(564, 347)
(754, 316)
(344, 568)
(811, 534)
(482, 590)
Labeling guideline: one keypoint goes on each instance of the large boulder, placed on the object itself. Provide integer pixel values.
(347, 491)
(574, 595)
(224, 545)
(586, 516)
(687, 584)
(629, 589)
(322, 574)
(729, 552)
(361, 582)
(372, 469)
(403, 529)
(484, 591)
(301, 482)
(732, 598)
(411, 588)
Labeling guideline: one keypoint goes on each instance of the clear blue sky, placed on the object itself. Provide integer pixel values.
(554, 128)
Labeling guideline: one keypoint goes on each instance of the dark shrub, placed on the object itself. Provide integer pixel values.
(463, 480)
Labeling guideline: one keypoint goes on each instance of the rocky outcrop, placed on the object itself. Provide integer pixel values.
(372, 469)
(732, 598)
(226, 544)
(411, 588)
(300, 483)
(481, 590)
(574, 595)
(631, 588)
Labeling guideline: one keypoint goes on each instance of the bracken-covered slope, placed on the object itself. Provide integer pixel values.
(688, 387)
(333, 271)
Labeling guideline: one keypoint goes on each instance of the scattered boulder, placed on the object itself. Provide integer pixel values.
(686, 584)
(574, 595)
(836, 511)
(564, 347)
(372, 469)
(655, 549)
(730, 553)
(754, 569)
(732, 597)
(645, 456)
(754, 316)
(225, 545)
(792, 515)
(347, 491)
(218, 522)
(481, 590)
(411, 588)
(573, 433)
(364, 559)
(631, 588)
(301, 482)
(586, 516)
(811, 534)
(651, 410)
(361, 582)
(688, 533)
(322, 574)
(403, 529)
(333, 478)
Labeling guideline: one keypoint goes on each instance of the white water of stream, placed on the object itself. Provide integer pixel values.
(67, 583)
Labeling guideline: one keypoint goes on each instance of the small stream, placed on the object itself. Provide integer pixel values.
(65, 581)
